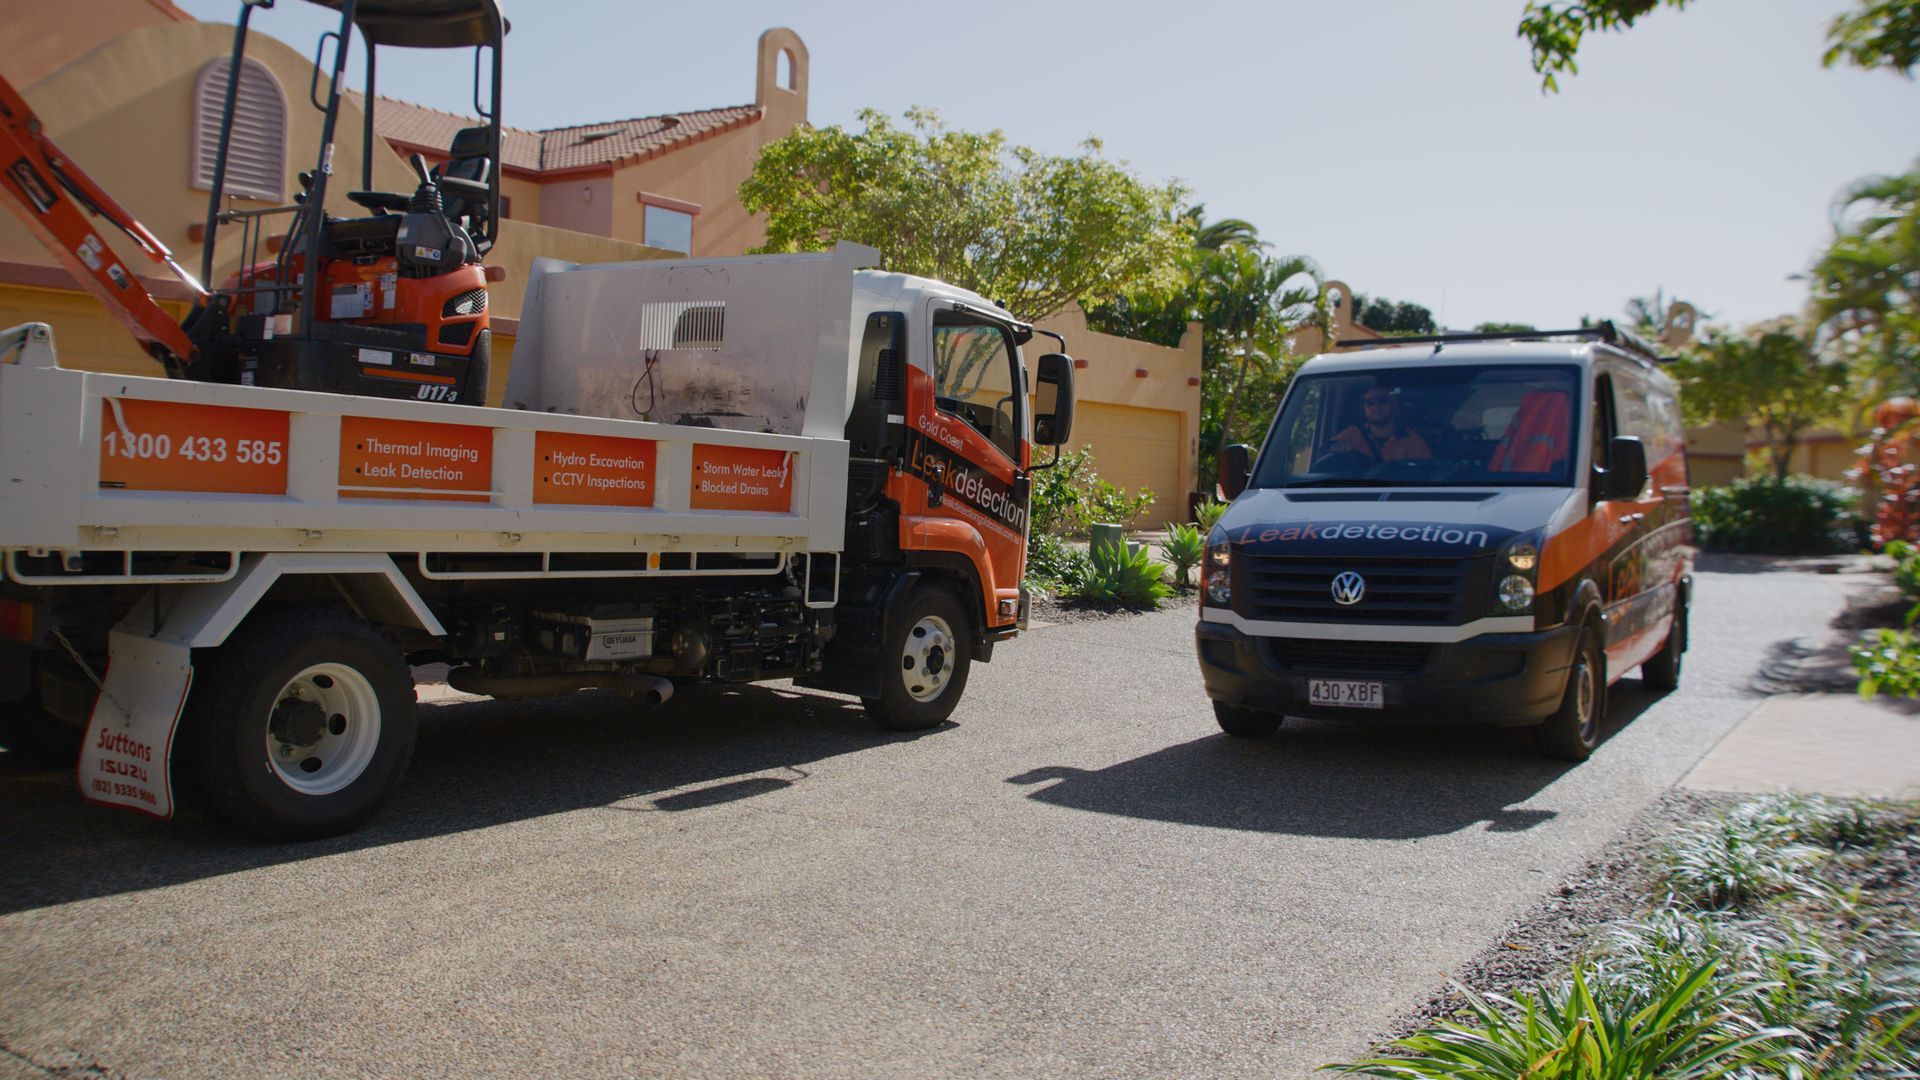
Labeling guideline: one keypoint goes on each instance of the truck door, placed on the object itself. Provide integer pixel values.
(968, 449)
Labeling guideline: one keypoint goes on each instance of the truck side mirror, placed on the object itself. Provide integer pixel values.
(1626, 473)
(1236, 466)
(1053, 400)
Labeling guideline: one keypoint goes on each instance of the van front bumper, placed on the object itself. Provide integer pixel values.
(1509, 679)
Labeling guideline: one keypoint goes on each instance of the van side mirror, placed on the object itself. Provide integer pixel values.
(1053, 400)
(1236, 467)
(1626, 474)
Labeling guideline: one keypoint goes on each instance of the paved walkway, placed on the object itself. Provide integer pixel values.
(1833, 742)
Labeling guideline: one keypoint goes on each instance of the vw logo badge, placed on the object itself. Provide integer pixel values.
(1348, 588)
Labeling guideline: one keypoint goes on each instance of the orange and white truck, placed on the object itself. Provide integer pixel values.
(725, 469)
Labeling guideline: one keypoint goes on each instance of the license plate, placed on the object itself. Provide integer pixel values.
(1346, 693)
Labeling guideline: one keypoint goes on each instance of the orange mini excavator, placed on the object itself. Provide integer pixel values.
(392, 303)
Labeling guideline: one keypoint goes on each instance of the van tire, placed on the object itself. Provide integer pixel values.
(1573, 730)
(1660, 672)
(269, 761)
(924, 662)
(1246, 723)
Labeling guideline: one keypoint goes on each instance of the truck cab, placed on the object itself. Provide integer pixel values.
(1454, 529)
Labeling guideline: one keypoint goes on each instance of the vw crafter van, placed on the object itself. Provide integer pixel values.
(1471, 527)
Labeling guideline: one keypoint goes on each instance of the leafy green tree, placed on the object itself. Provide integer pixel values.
(1877, 34)
(1392, 317)
(1771, 376)
(1030, 230)
(1866, 287)
(1505, 328)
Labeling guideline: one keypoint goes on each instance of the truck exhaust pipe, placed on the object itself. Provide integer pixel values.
(649, 689)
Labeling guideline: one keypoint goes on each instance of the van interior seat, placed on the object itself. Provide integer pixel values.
(1537, 439)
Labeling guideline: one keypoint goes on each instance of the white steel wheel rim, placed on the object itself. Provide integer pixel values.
(324, 756)
(1583, 700)
(926, 661)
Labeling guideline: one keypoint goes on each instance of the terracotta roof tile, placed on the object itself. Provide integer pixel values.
(562, 148)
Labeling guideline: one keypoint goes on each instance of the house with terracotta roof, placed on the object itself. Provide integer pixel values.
(668, 181)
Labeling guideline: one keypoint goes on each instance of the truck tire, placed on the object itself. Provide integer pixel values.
(1246, 723)
(926, 658)
(37, 736)
(1660, 672)
(301, 725)
(1573, 731)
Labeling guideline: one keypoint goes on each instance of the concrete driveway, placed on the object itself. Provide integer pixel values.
(1080, 876)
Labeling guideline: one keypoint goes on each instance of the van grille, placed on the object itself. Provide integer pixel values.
(1348, 657)
(1420, 592)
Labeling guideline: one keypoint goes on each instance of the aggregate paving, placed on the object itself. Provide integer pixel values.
(1079, 876)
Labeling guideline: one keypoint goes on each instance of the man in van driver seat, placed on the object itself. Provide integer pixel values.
(1381, 437)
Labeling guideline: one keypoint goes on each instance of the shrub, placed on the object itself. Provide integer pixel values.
(1796, 516)
(1674, 1029)
(1207, 515)
(1070, 496)
(1906, 566)
(1054, 564)
(1125, 573)
(1184, 547)
(1890, 661)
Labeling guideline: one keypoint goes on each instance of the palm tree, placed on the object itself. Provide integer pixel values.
(1252, 301)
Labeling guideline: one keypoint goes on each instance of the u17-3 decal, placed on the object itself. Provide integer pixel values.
(955, 477)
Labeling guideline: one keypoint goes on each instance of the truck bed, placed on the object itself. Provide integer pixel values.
(150, 468)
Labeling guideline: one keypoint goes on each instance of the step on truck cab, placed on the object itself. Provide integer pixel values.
(1462, 528)
(725, 470)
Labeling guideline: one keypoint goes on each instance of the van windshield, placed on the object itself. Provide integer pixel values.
(1494, 424)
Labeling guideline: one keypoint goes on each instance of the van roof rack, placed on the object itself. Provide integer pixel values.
(1604, 331)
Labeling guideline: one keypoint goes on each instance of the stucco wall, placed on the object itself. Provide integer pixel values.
(1112, 379)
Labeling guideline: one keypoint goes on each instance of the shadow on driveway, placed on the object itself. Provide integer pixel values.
(476, 765)
(1359, 780)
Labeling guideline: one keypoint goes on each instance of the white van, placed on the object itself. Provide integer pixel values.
(1470, 527)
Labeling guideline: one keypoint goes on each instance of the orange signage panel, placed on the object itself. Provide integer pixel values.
(408, 459)
(742, 478)
(177, 446)
(592, 470)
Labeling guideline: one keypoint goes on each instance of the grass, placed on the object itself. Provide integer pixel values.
(1756, 959)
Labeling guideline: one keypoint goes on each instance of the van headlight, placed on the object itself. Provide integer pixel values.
(1216, 570)
(1516, 571)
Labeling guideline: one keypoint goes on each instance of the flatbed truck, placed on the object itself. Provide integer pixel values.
(768, 467)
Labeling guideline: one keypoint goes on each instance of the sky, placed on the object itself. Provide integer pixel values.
(1403, 145)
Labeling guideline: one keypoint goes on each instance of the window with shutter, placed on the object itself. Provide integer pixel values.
(257, 155)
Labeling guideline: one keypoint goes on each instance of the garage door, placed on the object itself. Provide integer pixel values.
(1136, 448)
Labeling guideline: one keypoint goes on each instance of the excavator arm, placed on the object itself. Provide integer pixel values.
(56, 199)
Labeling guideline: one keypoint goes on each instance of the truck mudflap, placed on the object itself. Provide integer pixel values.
(851, 664)
(128, 754)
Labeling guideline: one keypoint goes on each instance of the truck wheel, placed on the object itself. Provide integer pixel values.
(301, 724)
(37, 736)
(1246, 723)
(1573, 730)
(1660, 672)
(927, 656)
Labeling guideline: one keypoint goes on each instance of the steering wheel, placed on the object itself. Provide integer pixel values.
(1344, 461)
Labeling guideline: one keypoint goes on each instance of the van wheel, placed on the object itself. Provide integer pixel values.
(1246, 723)
(1660, 672)
(1573, 730)
(927, 657)
(301, 725)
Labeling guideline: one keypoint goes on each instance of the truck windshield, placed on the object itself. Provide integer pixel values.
(1494, 424)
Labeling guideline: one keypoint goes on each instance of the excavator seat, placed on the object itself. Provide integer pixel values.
(463, 180)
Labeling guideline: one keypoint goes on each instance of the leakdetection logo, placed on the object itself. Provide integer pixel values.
(1442, 535)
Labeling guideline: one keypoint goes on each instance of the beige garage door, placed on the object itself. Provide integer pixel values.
(1136, 448)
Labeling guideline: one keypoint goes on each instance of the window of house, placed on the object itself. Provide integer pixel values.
(257, 153)
(668, 229)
